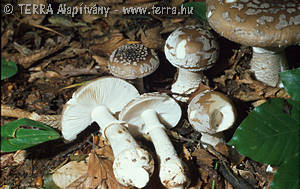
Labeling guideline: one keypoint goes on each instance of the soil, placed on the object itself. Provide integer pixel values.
(55, 52)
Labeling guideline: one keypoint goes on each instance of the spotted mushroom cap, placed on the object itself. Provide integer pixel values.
(191, 48)
(133, 61)
(211, 112)
(259, 23)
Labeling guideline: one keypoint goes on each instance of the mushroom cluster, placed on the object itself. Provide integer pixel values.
(266, 25)
(123, 114)
(98, 101)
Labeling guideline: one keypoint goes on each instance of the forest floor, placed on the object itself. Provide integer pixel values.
(55, 52)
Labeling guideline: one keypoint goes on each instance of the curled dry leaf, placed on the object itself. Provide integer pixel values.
(230, 153)
(27, 61)
(102, 62)
(99, 171)
(112, 42)
(152, 38)
(203, 157)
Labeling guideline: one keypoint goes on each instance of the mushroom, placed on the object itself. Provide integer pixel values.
(133, 62)
(210, 113)
(99, 101)
(192, 50)
(149, 114)
(266, 25)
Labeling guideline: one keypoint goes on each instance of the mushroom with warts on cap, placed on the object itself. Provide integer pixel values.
(149, 114)
(133, 62)
(266, 25)
(192, 50)
(210, 113)
(98, 101)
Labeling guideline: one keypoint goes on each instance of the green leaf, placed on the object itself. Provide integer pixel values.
(25, 133)
(291, 82)
(8, 69)
(270, 133)
(199, 9)
(287, 176)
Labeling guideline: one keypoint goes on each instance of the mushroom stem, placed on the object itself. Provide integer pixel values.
(139, 84)
(266, 65)
(171, 167)
(186, 83)
(133, 165)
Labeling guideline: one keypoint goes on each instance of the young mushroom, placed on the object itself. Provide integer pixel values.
(268, 26)
(149, 114)
(133, 62)
(192, 50)
(210, 113)
(98, 101)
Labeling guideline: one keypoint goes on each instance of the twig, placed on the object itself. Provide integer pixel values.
(51, 120)
(27, 61)
(46, 28)
(235, 180)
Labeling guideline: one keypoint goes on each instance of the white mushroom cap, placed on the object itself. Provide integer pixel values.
(259, 23)
(133, 61)
(211, 112)
(191, 48)
(112, 92)
(169, 112)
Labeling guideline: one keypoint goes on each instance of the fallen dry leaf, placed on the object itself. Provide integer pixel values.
(230, 153)
(69, 173)
(203, 157)
(152, 38)
(100, 172)
(114, 41)
(27, 61)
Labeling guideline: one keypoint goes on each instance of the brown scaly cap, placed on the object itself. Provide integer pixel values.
(259, 23)
(133, 61)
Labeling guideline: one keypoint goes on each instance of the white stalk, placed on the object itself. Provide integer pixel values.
(171, 167)
(187, 82)
(139, 84)
(133, 165)
(266, 65)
